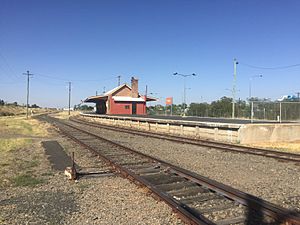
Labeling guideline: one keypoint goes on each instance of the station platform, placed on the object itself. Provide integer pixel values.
(221, 129)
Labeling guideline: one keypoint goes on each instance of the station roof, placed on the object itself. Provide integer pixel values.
(96, 98)
(105, 95)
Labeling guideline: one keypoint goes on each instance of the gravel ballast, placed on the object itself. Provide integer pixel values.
(274, 181)
(101, 199)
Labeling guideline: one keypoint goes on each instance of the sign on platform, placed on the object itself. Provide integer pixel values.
(169, 100)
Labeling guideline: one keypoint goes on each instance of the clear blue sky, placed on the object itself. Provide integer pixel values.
(92, 42)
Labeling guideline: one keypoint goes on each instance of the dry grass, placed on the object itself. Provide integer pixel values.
(17, 126)
(7, 145)
(25, 180)
(65, 114)
(281, 146)
(18, 157)
(11, 110)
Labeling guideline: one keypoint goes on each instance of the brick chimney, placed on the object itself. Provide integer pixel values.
(134, 87)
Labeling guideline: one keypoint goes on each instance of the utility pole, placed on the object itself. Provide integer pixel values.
(184, 95)
(119, 80)
(27, 102)
(146, 93)
(69, 97)
(234, 88)
(298, 96)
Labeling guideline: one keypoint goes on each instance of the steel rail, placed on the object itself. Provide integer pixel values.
(182, 211)
(282, 156)
(276, 212)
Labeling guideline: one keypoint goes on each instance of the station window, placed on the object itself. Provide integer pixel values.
(126, 106)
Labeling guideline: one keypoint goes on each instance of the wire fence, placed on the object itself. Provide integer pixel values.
(254, 110)
(279, 111)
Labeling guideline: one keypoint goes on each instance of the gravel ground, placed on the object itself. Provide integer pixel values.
(92, 200)
(274, 181)
(112, 199)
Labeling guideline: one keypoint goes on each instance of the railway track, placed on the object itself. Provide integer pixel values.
(281, 156)
(196, 199)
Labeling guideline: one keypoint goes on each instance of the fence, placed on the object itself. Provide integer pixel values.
(255, 110)
(279, 111)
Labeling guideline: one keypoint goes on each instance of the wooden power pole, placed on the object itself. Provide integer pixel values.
(27, 99)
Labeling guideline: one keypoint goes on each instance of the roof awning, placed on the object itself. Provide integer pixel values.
(96, 98)
(151, 99)
(127, 99)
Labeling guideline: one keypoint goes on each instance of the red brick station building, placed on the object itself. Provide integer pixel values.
(122, 100)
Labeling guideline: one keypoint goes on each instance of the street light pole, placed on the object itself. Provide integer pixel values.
(184, 94)
(184, 87)
(250, 84)
(250, 96)
(234, 87)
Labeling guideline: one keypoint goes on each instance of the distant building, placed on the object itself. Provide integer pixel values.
(123, 100)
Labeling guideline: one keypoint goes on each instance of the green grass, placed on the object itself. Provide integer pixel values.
(82, 187)
(7, 145)
(47, 174)
(30, 164)
(24, 180)
(2, 220)
(19, 159)
(26, 166)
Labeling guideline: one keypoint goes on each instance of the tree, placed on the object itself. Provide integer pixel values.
(1, 102)
(199, 109)
(83, 107)
(34, 106)
(222, 107)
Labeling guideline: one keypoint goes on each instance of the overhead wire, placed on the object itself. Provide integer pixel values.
(7, 74)
(10, 83)
(12, 73)
(270, 68)
(49, 83)
(73, 80)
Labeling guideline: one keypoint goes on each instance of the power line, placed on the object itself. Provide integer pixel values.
(270, 68)
(76, 80)
(51, 77)
(10, 83)
(49, 83)
(15, 76)
(8, 73)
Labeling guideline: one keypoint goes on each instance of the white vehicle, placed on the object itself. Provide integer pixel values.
(286, 97)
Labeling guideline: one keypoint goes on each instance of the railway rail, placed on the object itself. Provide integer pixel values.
(196, 199)
(281, 156)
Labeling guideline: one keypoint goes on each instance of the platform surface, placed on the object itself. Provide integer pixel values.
(198, 119)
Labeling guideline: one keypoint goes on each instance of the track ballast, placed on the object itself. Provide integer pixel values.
(197, 199)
